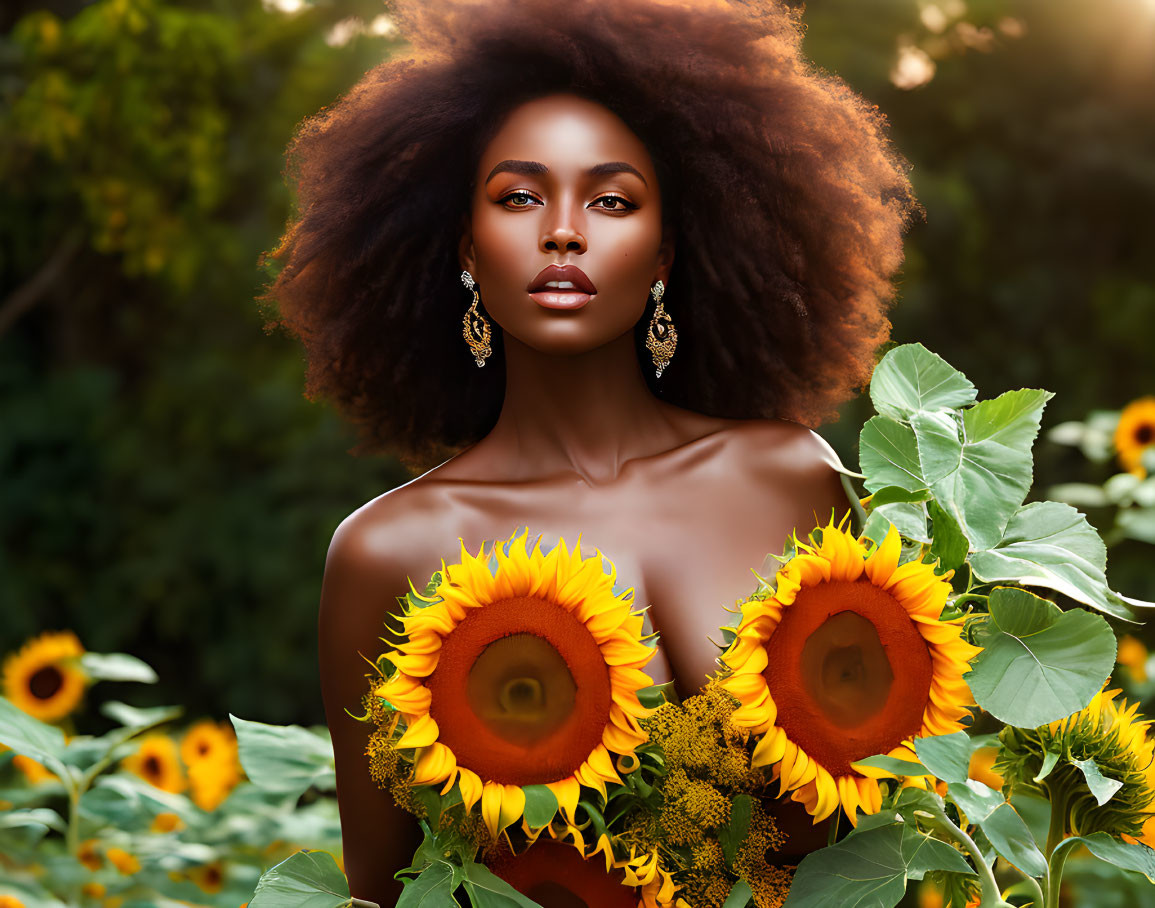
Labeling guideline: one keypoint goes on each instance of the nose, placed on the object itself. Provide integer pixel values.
(563, 233)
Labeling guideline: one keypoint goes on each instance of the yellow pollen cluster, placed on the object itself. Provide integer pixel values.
(699, 737)
(692, 807)
(769, 884)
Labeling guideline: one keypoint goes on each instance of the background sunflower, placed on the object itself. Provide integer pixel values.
(43, 677)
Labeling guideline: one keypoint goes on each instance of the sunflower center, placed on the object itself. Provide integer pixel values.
(556, 896)
(834, 661)
(152, 768)
(556, 875)
(521, 692)
(521, 689)
(845, 669)
(45, 682)
(1145, 433)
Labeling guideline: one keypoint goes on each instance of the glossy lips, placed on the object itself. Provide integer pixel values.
(575, 288)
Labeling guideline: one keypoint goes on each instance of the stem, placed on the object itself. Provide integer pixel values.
(1057, 831)
(1055, 866)
(991, 897)
(1037, 890)
(855, 504)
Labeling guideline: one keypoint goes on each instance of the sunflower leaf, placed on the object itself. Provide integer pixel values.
(740, 895)
(42, 742)
(1038, 662)
(307, 879)
(486, 890)
(947, 756)
(1050, 760)
(870, 869)
(897, 495)
(1101, 787)
(911, 378)
(892, 765)
(1004, 828)
(909, 518)
(540, 805)
(888, 453)
(734, 834)
(432, 888)
(287, 759)
(1050, 544)
(949, 543)
(978, 462)
(1113, 851)
(117, 667)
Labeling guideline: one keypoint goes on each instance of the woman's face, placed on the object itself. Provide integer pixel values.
(565, 182)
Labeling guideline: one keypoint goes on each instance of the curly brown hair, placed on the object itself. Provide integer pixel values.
(787, 201)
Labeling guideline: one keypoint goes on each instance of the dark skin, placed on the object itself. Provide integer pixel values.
(684, 504)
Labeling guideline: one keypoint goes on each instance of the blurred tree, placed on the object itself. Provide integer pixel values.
(164, 487)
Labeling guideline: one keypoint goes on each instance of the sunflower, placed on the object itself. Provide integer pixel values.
(1135, 433)
(123, 861)
(1133, 657)
(155, 761)
(848, 658)
(209, 877)
(207, 740)
(520, 668)
(43, 678)
(556, 874)
(211, 780)
(1112, 734)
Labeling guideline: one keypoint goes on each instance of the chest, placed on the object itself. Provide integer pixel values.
(687, 549)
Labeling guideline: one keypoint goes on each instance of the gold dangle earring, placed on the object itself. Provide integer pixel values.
(661, 339)
(476, 331)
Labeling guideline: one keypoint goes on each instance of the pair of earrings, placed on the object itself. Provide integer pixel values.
(661, 338)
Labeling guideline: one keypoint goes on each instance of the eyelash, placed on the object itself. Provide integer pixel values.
(629, 206)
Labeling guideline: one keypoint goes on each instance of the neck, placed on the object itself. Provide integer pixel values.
(589, 413)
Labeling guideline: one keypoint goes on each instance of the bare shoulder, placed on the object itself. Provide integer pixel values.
(781, 456)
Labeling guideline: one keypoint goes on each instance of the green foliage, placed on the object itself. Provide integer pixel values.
(308, 879)
(1038, 662)
(285, 759)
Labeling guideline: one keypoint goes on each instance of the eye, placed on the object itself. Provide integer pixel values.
(618, 203)
(524, 196)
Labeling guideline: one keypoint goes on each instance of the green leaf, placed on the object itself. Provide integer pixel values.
(1121, 854)
(117, 667)
(734, 834)
(740, 895)
(1050, 759)
(911, 378)
(1101, 787)
(896, 495)
(1038, 662)
(947, 756)
(656, 694)
(42, 742)
(432, 888)
(124, 799)
(1001, 823)
(540, 805)
(978, 464)
(908, 518)
(489, 891)
(893, 765)
(134, 717)
(284, 758)
(948, 542)
(870, 869)
(308, 879)
(1050, 544)
(888, 454)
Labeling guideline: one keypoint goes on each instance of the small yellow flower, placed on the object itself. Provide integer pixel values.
(166, 822)
(207, 740)
(1135, 433)
(123, 861)
(212, 779)
(209, 877)
(10, 901)
(1133, 657)
(94, 890)
(156, 762)
(43, 678)
(34, 772)
(88, 855)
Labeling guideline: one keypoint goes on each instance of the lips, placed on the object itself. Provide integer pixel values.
(562, 274)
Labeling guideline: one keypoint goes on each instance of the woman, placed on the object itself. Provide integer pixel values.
(604, 173)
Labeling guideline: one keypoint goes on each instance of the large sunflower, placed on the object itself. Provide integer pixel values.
(521, 668)
(44, 678)
(1135, 433)
(848, 658)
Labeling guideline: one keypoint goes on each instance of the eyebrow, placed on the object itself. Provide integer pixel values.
(533, 168)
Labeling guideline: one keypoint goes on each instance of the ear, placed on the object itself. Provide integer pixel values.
(465, 252)
(665, 255)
